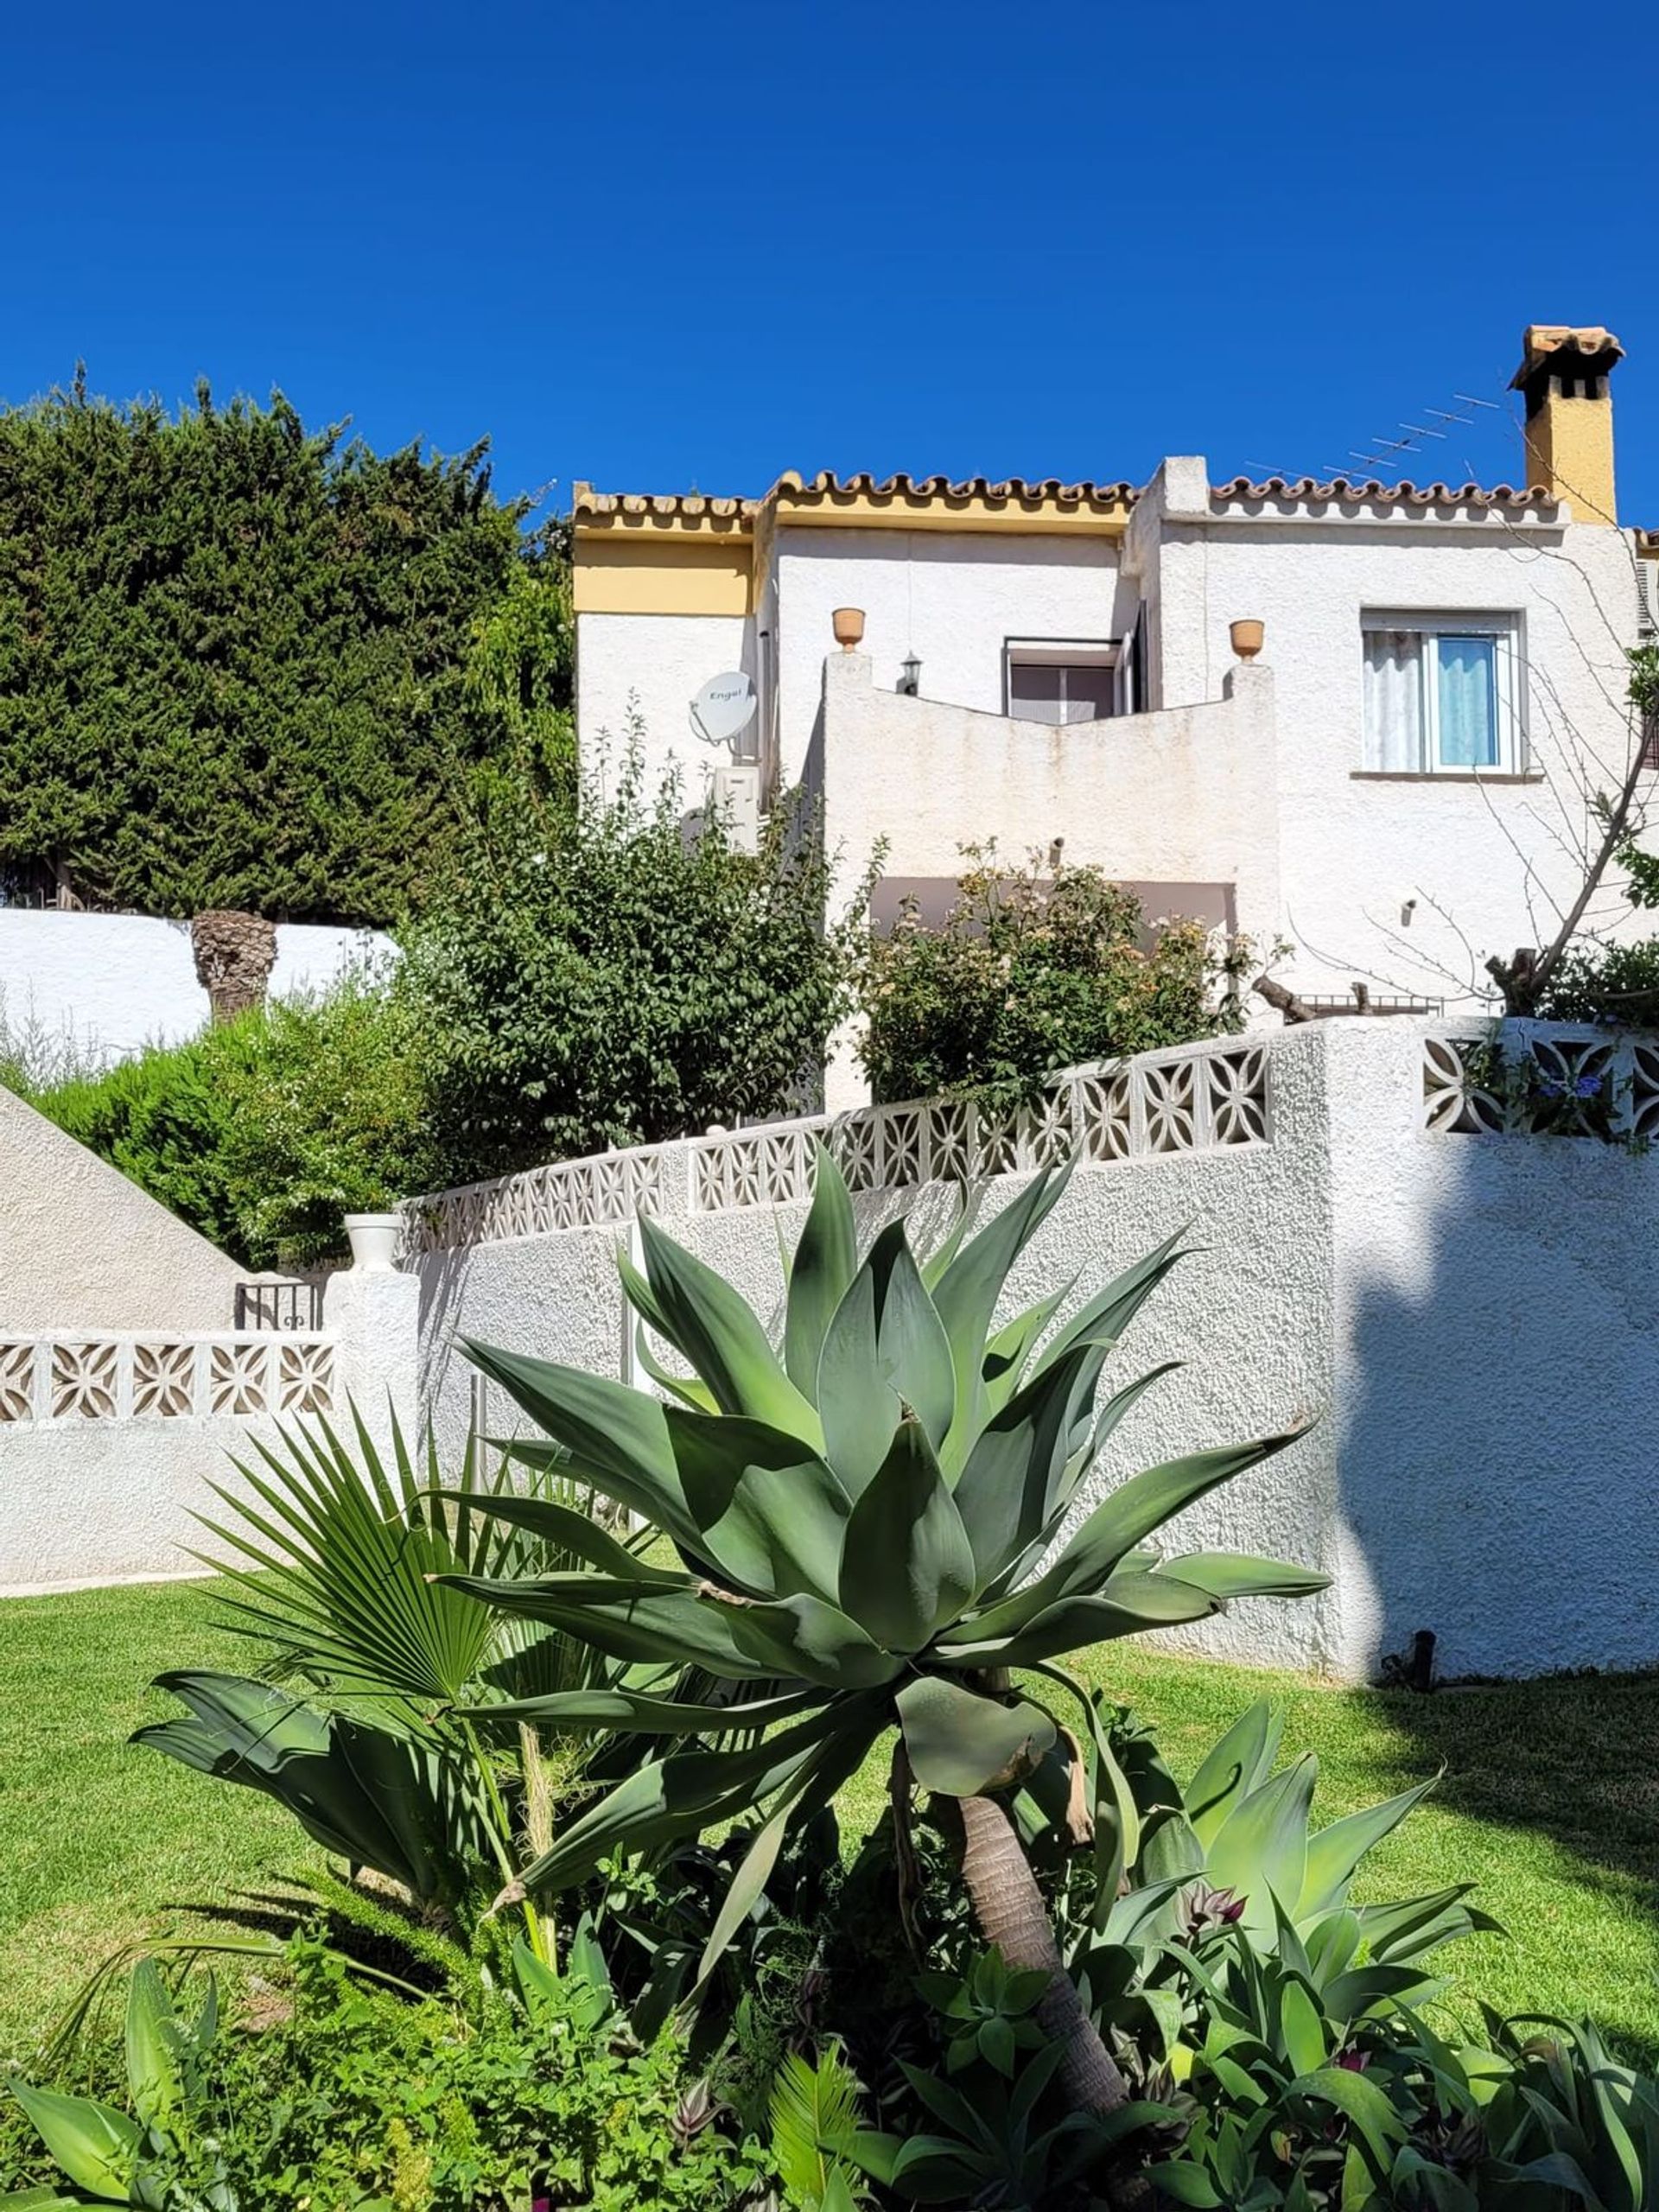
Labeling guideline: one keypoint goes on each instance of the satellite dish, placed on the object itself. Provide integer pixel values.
(724, 707)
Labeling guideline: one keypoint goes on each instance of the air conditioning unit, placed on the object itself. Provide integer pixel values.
(1647, 590)
(735, 792)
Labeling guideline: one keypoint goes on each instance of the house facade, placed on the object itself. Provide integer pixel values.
(1367, 723)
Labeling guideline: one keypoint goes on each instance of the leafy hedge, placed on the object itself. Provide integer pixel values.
(1030, 972)
(246, 664)
(261, 1135)
(613, 979)
(595, 979)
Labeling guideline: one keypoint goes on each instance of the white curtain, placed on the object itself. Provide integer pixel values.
(1394, 701)
(1468, 702)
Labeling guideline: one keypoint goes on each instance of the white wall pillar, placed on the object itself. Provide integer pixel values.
(375, 1314)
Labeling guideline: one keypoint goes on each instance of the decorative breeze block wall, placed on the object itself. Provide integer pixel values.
(77, 1379)
(1197, 1099)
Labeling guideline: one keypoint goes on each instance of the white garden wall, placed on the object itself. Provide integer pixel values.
(1470, 1315)
(117, 983)
(111, 1440)
(82, 1248)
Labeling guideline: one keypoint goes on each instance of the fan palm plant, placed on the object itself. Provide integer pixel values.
(866, 1536)
(331, 1562)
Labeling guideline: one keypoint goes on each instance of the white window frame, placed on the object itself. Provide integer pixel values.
(1509, 691)
(1063, 652)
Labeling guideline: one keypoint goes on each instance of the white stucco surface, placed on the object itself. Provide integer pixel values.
(1492, 862)
(81, 1247)
(1471, 1319)
(1496, 1322)
(1188, 796)
(106, 1485)
(654, 664)
(525, 1295)
(954, 599)
(117, 983)
(89, 1503)
(1405, 882)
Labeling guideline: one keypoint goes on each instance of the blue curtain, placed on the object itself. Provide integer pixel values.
(1468, 680)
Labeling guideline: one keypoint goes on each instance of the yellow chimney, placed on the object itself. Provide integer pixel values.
(1569, 426)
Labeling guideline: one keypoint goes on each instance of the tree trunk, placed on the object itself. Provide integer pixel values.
(1009, 1908)
(235, 954)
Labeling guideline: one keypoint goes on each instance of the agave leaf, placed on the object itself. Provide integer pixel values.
(966, 1292)
(1377, 1988)
(1411, 1928)
(1307, 2046)
(1008, 1350)
(611, 1437)
(884, 1349)
(1110, 1312)
(1260, 1852)
(97, 2146)
(1123, 1606)
(959, 1742)
(803, 1635)
(566, 1529)
(708, 1323)
(911, 1347)
(769, 1512)
(685, 1388)
(160, 2071)
(746, 1888)
(1239, 1763)
(1134, 1510)
(1358, 2099)
(907, 1564)
(642, 1622)
(635, 1712)
(686, 1792)
(1004, 1486)
(1236, 1575)
(1335, 1853)
(825, 1261)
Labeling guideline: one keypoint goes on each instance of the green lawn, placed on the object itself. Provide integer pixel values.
(1549, 1799)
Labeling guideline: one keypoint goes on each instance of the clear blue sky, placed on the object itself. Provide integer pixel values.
(662, 247)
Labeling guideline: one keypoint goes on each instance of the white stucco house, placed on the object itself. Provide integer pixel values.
(1395, 789)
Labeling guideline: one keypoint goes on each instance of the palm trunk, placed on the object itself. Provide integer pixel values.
(1009, 1908)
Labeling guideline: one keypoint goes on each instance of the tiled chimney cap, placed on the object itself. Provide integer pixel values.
(1591, 351)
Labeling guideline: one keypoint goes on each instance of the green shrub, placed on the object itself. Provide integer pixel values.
(589, 979)
(1612, 985)
(1033, 971)
(264, 1133)
(327, 1117)
(357, 2102)
(610, 978)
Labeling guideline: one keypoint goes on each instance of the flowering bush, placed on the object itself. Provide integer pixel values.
(1033, 971)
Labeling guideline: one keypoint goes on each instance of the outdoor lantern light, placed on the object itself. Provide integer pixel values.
(910, 676)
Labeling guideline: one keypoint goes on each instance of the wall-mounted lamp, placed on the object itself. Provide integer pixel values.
(910, 677)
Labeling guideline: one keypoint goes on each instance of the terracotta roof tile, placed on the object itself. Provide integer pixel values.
(828, 484)
(585, 501)
(1344, 491)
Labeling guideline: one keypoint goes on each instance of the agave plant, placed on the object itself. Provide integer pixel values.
(111, 2157)
(866, 1529)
